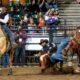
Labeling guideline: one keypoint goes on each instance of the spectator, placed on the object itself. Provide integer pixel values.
(24, 10)
(52, 4)
(11, 12)
(0, 3)
(56, 15)
(23, 22)
(41, 23)
(33, 7)
(51, 21)
(11, 2)
(20, 38)
(16, 15)
(50, 18)
(43, 5)
(31, 25)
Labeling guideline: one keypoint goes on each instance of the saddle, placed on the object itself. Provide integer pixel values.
(4, 45)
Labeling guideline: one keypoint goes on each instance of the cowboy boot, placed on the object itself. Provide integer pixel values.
(77, 70)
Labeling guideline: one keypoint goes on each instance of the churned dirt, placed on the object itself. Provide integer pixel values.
(34, 73)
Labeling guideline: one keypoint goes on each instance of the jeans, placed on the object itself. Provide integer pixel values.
(9, 32)
(52, 29)
(58, 54)
(19, 51)
(5, 60)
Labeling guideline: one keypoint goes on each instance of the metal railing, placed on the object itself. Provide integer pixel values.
(61, 31)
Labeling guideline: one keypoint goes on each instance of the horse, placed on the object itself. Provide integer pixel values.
(5, 45)
(74, 46)
(57, 56)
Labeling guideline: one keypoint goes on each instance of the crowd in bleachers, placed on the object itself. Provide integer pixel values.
(35, 15)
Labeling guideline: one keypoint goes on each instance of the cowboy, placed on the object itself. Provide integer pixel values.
(44, 52)
(58, 56)
(4, 18)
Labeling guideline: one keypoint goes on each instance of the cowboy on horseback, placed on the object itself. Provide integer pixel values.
(9, 38)
(4, 18)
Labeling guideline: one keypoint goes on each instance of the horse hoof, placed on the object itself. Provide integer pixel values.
(42, 70)
(60, 70)
(77, 71)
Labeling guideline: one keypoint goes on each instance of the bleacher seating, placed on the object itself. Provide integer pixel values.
(70, 13)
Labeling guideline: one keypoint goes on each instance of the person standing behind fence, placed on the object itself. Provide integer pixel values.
(51, 21)
(20, 38)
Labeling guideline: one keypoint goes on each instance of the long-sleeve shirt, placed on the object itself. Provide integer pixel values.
(5, 19)
(20, 37)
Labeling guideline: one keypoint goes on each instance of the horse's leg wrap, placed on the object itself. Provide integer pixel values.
(78, 55)
(61, 65)
(43, 61)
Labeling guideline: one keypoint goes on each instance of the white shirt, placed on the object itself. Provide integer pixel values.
(47, 17)
(5, 20)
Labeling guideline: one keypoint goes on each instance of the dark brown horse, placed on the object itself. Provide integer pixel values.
(74, 46)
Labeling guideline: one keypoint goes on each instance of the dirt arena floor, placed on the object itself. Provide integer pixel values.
(33, 73)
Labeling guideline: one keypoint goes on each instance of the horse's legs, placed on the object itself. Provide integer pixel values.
(78, 55)
(42, 62)
(61, 65)
(11, 56)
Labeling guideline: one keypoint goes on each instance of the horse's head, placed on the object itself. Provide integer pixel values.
(72, 45)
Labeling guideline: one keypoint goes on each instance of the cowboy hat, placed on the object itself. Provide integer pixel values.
(43, 40)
